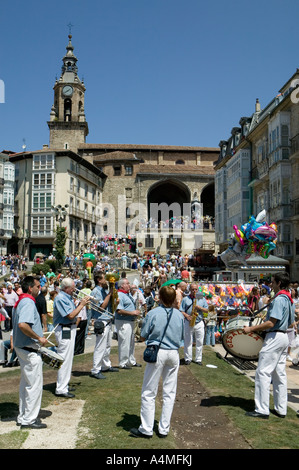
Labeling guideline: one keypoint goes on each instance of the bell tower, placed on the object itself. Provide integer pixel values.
(67, 125)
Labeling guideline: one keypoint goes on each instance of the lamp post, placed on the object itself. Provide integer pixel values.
(60, 213)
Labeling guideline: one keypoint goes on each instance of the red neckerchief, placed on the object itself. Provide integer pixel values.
(124, 291)
(23, 296)
(285, 292)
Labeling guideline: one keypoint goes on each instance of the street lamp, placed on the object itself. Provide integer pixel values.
(60, 213)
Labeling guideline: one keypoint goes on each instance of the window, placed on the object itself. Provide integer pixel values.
(43, 162)
(42, 202)
(117, 170)
(180, 162)
(149, 242)
(43, 181)
(128, 170)
(8, 197)
(86, 190)
(9, 172)
(285, 135)
(8, 222)
(41, 226)
(72, 184)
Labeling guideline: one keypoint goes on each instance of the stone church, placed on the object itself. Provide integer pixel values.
(161, 195)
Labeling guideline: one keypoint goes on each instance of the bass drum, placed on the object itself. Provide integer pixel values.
(241, 345)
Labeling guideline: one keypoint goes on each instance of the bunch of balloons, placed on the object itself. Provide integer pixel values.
(256, 236)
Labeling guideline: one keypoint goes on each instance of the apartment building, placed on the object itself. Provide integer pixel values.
(55, 188)
(266, 156)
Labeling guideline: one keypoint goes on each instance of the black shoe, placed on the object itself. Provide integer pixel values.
(278, 414)
(65, 395)
(99, 375)
(35, 425)
(126, 367)
(254, 414)
(136, 433)
(111, 369)
(187, 363)
(198, 363)
(137, 365)
(162, 435)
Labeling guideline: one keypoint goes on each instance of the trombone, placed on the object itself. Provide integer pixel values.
(78, 295)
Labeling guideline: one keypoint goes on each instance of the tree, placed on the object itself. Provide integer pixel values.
(60, 241)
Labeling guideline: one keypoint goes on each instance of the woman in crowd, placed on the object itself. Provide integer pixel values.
(162, 324)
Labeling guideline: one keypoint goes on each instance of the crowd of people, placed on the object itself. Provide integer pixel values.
(163, 298)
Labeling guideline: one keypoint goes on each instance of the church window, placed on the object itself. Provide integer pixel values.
(117, 170)
(128, 170)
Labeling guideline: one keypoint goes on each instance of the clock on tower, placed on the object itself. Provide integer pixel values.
(67, 125)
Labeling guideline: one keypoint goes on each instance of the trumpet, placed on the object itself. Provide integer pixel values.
(112, 278)
(78, 295)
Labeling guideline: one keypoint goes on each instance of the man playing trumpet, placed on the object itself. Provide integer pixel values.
(64, 320)
(191, 307)
(102, 295)
(125, 316)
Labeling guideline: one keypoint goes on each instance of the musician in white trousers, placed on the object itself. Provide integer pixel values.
(101, 357)
(272, 356)
(27, 337)
(198, 330)
(125, 316)
(64, 321)
(167, 364)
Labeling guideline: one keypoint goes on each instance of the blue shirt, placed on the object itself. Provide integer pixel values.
(100, 293)
(126, 302)
(43, 280)
(26, 312)
(187, 303)
(63, 306)
(154, 326)
(282, 310)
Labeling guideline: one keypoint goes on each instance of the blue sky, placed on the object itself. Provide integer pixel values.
(160, 72)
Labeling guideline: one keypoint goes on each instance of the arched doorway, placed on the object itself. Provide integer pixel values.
(166, 199)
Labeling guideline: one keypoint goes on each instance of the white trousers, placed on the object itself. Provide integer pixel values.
(167, 365)
(198, 331)
(31, 386)
(272, 366)
(126, 342)
(66, 349)
(101, 354)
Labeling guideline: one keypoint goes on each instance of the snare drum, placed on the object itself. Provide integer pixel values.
(51, 358)
(239, 344)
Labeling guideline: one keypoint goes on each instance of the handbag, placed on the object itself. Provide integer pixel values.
(151, 351)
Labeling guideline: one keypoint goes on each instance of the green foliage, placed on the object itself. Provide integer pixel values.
(44, 267)
(60, 240)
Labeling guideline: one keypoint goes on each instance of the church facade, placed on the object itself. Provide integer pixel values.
(163, 196)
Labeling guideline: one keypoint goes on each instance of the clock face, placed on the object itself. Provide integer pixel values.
(67, 90)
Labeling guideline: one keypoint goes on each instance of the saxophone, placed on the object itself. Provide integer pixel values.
(112, 278)
(194, 314)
